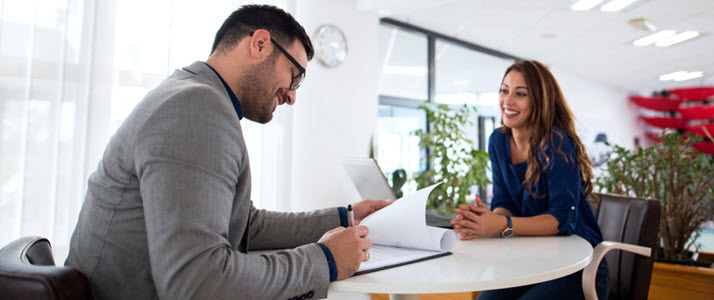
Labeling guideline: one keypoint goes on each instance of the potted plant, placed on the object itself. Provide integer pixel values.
(454, 157)
(683, 180)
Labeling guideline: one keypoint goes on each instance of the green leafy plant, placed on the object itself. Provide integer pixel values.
(455, 159)
(399, 178)
(675, 174)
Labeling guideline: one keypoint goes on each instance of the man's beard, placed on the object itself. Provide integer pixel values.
(255, 92)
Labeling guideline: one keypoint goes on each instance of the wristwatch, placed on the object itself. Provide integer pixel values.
(508, 232)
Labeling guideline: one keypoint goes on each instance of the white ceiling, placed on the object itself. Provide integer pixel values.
(593, 44)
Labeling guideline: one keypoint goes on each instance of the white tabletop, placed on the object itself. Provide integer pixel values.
(480, 264)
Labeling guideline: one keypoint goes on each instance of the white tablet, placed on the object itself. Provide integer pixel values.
(368, 178)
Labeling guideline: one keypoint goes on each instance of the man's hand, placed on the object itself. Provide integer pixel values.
(349, 248)
(477, 221)
(365, 208)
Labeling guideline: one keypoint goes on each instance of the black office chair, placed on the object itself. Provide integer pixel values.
(28, 271)
(629, 224)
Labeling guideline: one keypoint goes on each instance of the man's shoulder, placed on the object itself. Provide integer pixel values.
(179, 91)
(181, 102)
(197, 76)
(178, 87)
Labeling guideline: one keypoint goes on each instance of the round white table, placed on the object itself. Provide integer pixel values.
(477, 265)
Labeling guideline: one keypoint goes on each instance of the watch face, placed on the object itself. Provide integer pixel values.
(330, 45)
(507, 233)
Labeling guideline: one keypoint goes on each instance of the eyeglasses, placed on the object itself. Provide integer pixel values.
(297, 80)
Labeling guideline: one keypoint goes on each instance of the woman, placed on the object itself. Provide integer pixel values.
(542, 178)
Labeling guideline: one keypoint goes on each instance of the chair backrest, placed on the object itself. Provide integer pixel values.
(633, 221)
(28, 271)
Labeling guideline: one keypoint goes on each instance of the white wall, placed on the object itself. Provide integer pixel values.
(336, 109)
(599, 108)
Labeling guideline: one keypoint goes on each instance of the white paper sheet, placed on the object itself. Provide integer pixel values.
(402, 224)
(399, 233)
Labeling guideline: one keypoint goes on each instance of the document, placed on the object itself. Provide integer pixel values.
(400, 235)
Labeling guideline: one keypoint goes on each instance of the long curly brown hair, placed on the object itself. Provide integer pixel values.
(550, 110)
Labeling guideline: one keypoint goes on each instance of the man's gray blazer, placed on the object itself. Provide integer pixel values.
(168, 214)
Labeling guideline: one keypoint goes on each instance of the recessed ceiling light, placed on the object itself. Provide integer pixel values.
(584, 5)
(690, 75)
(681, 75)
(653, 38)
(672, 76)
(616, 5)
(677, 38)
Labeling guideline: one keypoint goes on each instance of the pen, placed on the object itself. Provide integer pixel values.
(350, 216)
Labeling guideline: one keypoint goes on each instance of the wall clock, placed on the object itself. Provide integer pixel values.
(330, 45)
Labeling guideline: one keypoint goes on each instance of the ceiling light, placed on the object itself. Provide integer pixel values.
(672, 76)
(690, 75)
(681, 75)
(616, 5)
(653, 38)
(677, 38)
(584, 5)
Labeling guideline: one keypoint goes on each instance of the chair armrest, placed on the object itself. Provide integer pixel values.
(590, 271)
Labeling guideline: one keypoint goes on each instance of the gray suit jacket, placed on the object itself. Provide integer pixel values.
(168, 214)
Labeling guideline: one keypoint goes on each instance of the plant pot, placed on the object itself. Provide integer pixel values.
(702, 259)
(689, 262)
(674, 281)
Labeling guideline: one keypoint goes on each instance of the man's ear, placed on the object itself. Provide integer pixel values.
(260, 45)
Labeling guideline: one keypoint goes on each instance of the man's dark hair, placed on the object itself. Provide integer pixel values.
(282, 27)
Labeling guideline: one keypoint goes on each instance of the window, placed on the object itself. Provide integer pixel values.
(397, 147)
(71, 72)
(423, 67)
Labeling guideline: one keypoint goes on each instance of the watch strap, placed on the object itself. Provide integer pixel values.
(508, 232)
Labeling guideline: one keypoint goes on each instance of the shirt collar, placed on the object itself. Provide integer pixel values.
(234, 99)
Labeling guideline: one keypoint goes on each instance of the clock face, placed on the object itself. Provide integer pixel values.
(330, 45)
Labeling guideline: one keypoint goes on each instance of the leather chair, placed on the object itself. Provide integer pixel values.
(628, 225)
(28, 271)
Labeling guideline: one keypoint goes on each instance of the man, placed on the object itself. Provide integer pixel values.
(167, 213)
